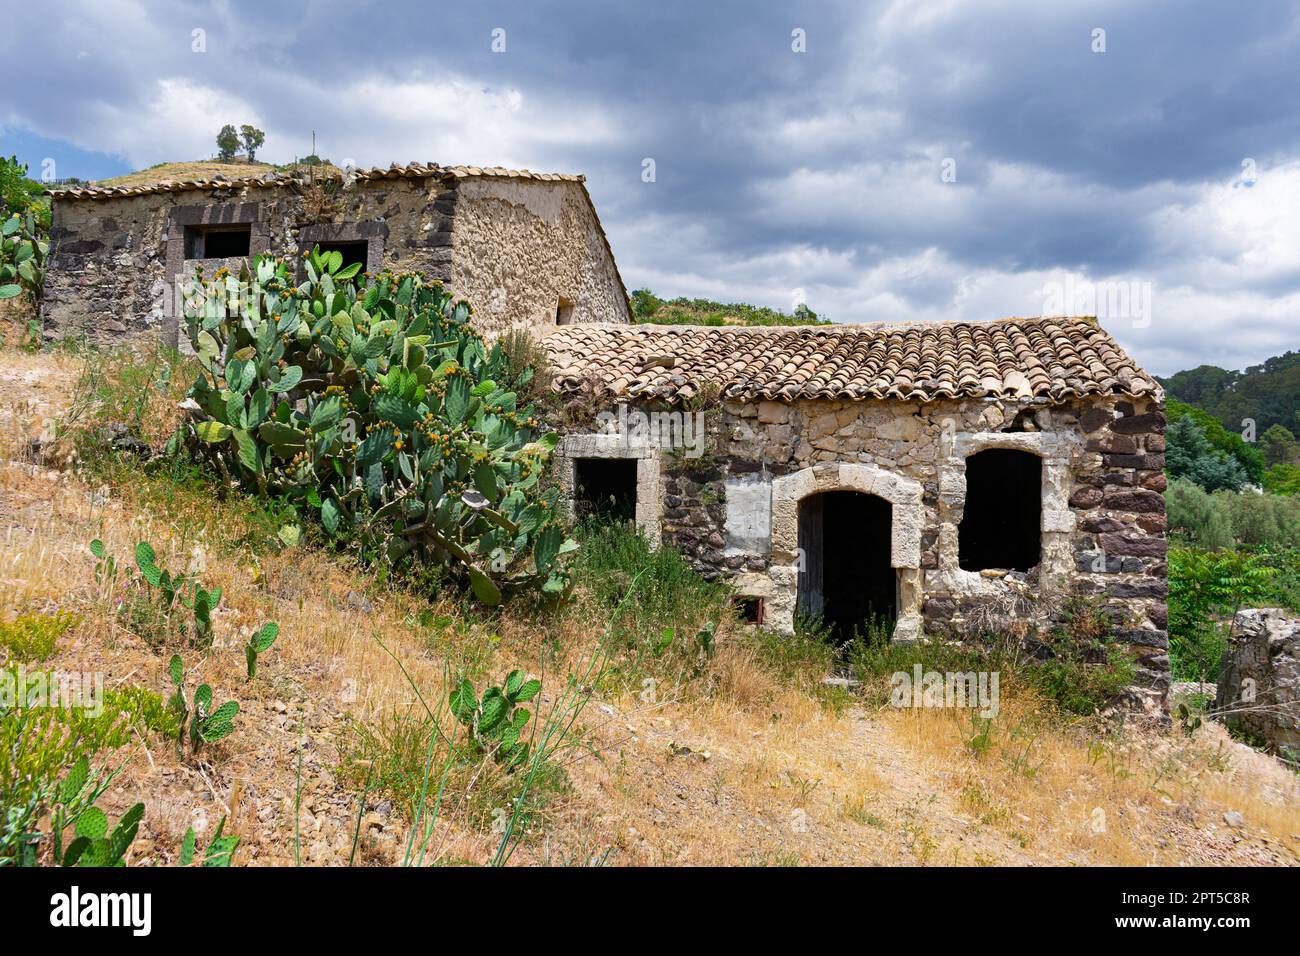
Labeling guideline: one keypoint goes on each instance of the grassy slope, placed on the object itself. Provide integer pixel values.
(204, 169)
(772, 774)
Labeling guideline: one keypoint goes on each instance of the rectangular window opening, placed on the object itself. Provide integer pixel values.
(748, 609)
(605, 488)
(352, 251)
(564, 312)
(1002, 518)
(218, 242)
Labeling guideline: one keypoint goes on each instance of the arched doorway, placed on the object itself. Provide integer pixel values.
(847, 576)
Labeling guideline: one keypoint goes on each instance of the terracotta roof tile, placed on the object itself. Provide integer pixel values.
(412, 170)
(1036, 357)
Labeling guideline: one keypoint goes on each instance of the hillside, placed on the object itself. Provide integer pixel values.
(202, 169)
(743, 758)
(647, 307)
(206, 169)
(1268, 393)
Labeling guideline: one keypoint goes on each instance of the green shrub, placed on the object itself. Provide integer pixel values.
(38, 742)
(144, 708)
(1226, 519)
(30, 638)
(22, 195)
(1196, 515)
(1206, 589)
(1283, 479)
(654, 595)
(378, 410)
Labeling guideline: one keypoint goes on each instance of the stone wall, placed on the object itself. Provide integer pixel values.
(113, 259)
(733, 510)
(524, 247)
(1259, 678)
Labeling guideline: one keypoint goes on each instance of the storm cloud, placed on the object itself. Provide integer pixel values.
(881, 161)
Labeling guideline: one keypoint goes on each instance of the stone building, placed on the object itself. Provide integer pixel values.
(526, 249)
(939, 476)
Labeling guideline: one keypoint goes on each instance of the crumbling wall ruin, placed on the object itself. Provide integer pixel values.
(514, 248)
(732, 508)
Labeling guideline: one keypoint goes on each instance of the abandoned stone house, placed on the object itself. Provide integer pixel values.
(525, 249)
(928, 477)
(946, 477)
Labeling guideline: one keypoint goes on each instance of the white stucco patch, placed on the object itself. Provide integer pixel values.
(749, 515)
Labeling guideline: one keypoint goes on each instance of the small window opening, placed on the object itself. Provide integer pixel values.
(356, 251)
(1002, 521)
(217, 242)
(564, 312)
(748, 609)
(605, 487)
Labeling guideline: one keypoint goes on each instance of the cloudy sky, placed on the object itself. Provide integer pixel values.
(880, 161)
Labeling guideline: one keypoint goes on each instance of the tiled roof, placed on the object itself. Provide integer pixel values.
(919, 361)
(409, 171)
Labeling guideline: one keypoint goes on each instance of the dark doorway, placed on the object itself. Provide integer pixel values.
(605, 487)
(352, 252)
(1002, 520)
(848, 578)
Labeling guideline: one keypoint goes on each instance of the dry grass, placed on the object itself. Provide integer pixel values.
(733, 767)
(203, 169)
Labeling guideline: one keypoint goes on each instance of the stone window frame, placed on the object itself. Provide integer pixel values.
(1057, 521)
(906, 520)
(208, 214)
(372, 232)
(649, 492)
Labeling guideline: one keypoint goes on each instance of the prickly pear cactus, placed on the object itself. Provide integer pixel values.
(378, 409)
(23, 250)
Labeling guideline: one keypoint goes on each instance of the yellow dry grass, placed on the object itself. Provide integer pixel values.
(176, 172)
(733, 768)
(202, 170)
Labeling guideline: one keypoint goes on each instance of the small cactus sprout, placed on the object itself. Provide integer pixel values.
(495, 723)
(205, 725)
(259, 643)
(220, 848)
(165, 591)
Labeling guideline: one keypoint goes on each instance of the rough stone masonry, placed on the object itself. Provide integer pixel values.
(525, 249)
(795, 418)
